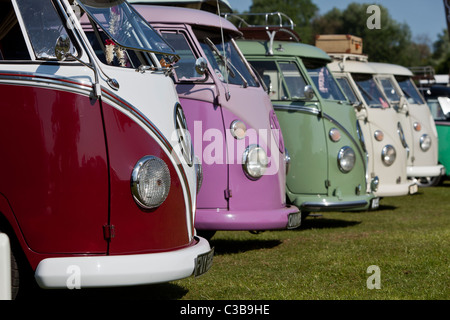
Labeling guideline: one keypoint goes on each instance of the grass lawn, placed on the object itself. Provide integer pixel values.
(408, 238)
(327, 258)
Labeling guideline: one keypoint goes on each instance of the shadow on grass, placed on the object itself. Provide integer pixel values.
(162, 291)
(385, 207)
(325, 223)
(224, 246)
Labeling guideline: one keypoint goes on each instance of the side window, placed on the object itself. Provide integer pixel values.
(43, 25)
(324, 82)
(370, 91)
(435, 109)
(185, 67)
(12, 43)
(294, 80)
(345, 85)
(410, 90)
(272, 78)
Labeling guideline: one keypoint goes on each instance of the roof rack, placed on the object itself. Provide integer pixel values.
(349, 56)
(282, 29)
(423, 75)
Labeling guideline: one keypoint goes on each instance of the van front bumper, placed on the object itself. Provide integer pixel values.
(394, 190)
(313, 203)
(425, 171)
(223, 219)
(124, 270)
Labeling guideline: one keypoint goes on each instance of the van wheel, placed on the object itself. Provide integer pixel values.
(429, 181)
(15, 281)
(23, 284)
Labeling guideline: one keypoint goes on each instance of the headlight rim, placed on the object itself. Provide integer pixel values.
(340, 158)
(384, 154)
(422, 141)
(135, 185)
(245, 157)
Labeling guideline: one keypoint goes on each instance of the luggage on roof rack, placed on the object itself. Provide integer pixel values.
(339, 43)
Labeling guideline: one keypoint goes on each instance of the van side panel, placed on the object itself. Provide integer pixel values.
(53, 171)
(137, 230)
(205, 123)
(304, 134)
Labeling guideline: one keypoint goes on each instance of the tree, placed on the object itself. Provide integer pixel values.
(441, 54)
(391, 43)
(300, 11)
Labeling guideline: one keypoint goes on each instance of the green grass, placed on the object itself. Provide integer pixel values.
(408, 238)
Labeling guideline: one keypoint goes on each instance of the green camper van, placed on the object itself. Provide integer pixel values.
(328, 167)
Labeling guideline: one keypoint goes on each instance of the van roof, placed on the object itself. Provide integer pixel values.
(224, 4)
(283, 48)
(181, 15)
(351, 66)
(388, 68)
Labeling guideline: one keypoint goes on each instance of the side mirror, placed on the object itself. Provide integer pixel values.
(309, 92)
(62, 48)
(201, 65)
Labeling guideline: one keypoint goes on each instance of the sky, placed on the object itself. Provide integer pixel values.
(424, 17)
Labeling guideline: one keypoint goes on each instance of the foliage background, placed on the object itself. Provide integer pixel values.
(392, 43)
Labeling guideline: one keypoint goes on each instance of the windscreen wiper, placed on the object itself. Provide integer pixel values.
(226, 62)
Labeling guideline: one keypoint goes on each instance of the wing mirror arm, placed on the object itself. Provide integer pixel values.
(62, 52)
(201, 66)
(358, 106)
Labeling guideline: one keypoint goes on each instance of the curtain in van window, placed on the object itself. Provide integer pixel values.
(7, 24)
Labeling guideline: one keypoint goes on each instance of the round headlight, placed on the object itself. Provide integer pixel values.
(238, 129)
(388, 155)
(425, 142)
(254, 162)
(150, 182)
(335, 135)
(379, 135)
(346, 159)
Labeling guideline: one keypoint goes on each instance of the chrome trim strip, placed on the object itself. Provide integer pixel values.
(333, 205)
(310, 110)
(43, 81)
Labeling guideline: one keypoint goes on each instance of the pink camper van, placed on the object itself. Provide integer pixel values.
(234, 129)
